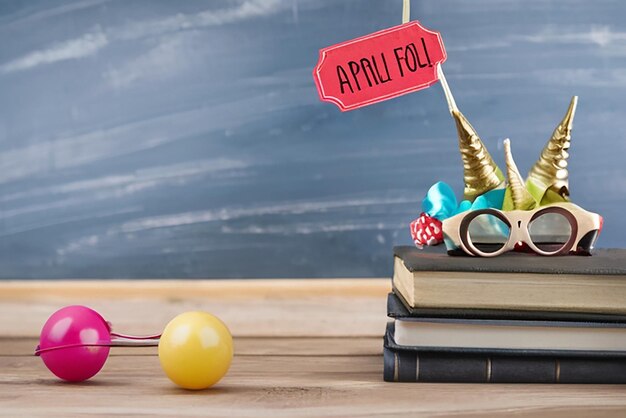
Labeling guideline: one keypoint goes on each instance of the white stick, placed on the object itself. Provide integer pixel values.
(446, 90)
(406, 11)
(406, 16)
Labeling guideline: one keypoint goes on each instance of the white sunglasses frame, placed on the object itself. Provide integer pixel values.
(582, 222)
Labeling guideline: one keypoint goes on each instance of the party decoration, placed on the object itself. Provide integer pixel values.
(491, 199)
(545, 193)
(548, 178)
(516, 196)
(564, 228)
(440, 201)
(195, 350)
(480, 172)
(426, 230)
(379, 66)
(409, 57)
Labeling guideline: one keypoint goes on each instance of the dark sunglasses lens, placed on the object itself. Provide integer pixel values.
(550, 231)
(488, 233)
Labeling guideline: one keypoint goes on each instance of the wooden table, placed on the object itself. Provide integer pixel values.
(303, 348)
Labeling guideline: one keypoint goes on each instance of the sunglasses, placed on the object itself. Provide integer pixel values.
(558, 229)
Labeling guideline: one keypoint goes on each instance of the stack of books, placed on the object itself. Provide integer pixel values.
(515, 318)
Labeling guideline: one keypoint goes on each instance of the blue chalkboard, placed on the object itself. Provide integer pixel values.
(186, 139)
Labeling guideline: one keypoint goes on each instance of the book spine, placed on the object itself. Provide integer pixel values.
(415, 366)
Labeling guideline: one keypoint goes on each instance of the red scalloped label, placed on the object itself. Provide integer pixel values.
(379, 66)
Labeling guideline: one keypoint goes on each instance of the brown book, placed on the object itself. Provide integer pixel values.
(430, 278)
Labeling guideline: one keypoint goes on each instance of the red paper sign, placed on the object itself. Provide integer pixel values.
(379, 66)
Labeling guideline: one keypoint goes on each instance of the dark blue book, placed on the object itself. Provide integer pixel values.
(414, 364)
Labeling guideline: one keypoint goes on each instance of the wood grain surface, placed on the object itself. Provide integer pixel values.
(303, 348)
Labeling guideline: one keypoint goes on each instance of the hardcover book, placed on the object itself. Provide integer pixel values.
(416, 365)
(430, 279)
(398, 308)
(505, 336)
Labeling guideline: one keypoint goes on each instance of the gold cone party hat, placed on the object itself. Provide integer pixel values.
(548, 179)
(516, 196)
(480, 173)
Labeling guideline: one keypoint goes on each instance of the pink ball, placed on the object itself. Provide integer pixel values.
(75, 330)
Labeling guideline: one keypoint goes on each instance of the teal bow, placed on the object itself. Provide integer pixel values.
(440, 201)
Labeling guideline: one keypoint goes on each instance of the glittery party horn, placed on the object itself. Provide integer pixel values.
(480, 172)
(548, 179)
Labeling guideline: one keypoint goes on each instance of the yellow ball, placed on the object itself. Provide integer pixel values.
(195, 350)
